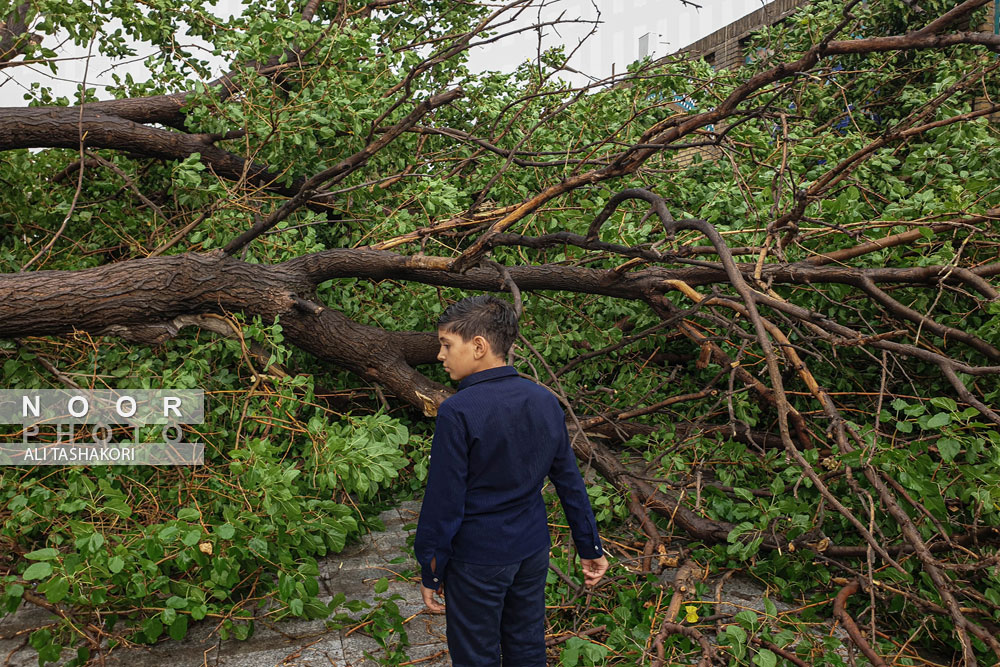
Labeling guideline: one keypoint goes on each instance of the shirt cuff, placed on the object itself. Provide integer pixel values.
(429, 579)
(589, 549)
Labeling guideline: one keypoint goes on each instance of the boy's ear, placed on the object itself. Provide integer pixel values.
(482, 347)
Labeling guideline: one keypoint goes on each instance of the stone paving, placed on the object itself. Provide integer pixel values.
(302, 643)
(352, 572)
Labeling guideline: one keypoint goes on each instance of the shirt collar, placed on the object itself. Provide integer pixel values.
(488, 374)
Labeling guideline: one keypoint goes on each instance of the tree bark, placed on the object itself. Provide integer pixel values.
(139, 299)
(63, 127)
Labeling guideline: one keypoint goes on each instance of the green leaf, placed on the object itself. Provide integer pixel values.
(777, 486)
(242, 631)
(765, 658)
(50, 653)
(179, 627)
(42, 554)
(769, 608)
(40, 638)
(115, 564)
(188, 514)
(14, 591)
(336, 601)
(945, 403)
(382, 585)
(356, 605)
(737, 633)
(38, 571)
(117, 506)
(938, 420)
(226, 531)
(152, 628)
(949, 448)
(55, 589)
(177, 602)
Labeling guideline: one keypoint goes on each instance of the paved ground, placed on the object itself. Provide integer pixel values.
(302, 643)
(312, 643)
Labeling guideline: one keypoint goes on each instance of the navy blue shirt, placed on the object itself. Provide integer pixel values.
(495, 441)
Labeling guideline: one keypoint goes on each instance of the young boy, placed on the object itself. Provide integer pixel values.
(483, 528)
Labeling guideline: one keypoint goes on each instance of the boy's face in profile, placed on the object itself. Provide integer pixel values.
(459, 357)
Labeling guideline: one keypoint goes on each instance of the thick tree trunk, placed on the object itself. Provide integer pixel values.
(139, 300)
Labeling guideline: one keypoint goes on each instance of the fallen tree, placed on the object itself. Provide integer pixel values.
(771, 319)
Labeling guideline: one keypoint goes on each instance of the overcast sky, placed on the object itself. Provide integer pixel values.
(672, 26)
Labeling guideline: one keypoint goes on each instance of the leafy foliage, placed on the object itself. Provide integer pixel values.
(859, 198)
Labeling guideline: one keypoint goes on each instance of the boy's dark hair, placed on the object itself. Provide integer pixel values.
(482, 315)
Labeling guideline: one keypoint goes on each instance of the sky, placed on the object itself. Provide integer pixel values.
(672, 25)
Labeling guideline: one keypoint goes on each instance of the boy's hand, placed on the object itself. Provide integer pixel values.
(433, 605)
(593, 569)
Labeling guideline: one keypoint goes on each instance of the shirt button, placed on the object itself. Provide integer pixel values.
(435, 578)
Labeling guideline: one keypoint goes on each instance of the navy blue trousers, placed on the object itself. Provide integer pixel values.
(496, 613)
